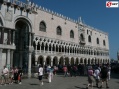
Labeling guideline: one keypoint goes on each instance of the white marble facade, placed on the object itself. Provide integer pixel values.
(32, 35)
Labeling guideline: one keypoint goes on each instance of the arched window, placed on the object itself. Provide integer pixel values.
(81, 37)
(42, 26)
(59, 30)
(97, 40)
(104, 42)
(71, 34)
(89, 38)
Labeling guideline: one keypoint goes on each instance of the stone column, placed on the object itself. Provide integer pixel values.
(58, 48)
(76, 51)
(11, 58)
(36, 47)
(63, 60)
(48, 48)
(8, 58)
(36, 62)
(29, 39)
(32, 37)
(64, 49)
(13, 38)
(61, 49)
(51, 49)
(2, 36)
(9, 37)
(51, 62)
(1, 64)
(44, 48)
(55, 49)
(40, 48)
(29, 65)
(83, 60)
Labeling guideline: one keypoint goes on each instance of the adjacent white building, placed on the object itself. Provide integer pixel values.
(32, 35)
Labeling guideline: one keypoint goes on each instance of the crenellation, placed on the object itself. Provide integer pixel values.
(40, 7)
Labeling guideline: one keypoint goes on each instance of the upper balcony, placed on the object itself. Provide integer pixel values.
(53, 53)
(3, 46)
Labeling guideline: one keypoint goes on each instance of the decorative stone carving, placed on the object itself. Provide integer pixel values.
(8, 15)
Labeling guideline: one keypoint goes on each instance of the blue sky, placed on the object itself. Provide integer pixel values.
(93, 13)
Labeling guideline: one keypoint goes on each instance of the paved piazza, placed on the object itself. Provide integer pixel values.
(60, 82)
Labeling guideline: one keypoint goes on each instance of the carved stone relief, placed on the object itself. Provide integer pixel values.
(8, 15)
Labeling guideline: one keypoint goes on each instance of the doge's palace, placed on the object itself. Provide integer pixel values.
(31, 35)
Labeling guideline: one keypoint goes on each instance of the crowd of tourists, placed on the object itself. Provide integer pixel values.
(98, 75)
(10, 75)
(95, 73)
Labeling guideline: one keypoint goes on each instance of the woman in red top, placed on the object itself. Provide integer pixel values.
(65, 70)
(90, 77)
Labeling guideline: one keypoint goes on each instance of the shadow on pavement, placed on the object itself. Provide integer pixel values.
(33, 84)
(115, 76)
(77, 87)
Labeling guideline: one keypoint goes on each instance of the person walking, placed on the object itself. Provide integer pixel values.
(104, 76)
(90, 77)
(97, 76)
(50, 73)
(40, 74)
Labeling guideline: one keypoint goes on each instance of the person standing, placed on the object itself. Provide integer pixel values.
(19, 75)
(40, 74)
(6, 74)
(50, 73)
(16, 74)
(65, 70)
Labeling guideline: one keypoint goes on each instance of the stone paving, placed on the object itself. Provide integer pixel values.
(61, 82)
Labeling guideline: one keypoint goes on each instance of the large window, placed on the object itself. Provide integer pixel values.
(81, 37)
(104, 42)
(97, 40)
(42, 26)
(89, 38)
(59, 30)
(71, 34)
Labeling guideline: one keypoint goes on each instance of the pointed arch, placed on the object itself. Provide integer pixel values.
(42, 26)
(71, 34)
(59, 30)
(97, 40)
(89, 38)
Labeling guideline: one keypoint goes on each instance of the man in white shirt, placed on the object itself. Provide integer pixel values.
(40, 74)
(5, 72)
(97, 75)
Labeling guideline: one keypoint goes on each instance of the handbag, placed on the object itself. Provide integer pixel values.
(19, 77)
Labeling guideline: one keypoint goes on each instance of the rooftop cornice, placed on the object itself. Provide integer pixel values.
(32, 8)
(100, 31)
(29, 7)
